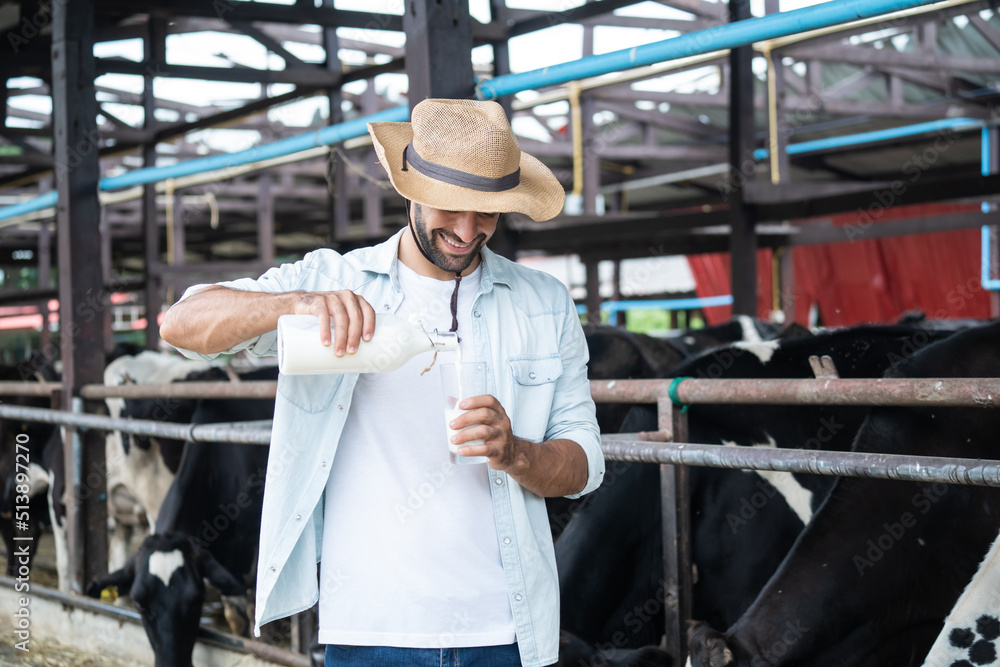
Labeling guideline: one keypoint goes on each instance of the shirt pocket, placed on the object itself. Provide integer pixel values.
(309, 393)
(534, 388)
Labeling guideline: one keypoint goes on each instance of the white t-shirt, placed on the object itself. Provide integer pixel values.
(410, 551)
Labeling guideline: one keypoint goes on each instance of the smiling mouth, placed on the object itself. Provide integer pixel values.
(457, 246)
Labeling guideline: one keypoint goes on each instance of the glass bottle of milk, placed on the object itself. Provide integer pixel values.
(394, 343)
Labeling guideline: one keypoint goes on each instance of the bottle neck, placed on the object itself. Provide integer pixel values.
(444, 340)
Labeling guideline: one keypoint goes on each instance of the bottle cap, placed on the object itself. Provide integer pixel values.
(447, 340)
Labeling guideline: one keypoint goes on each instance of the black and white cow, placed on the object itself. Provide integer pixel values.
(873, 576)
(971, 631)
(164, 580)
(214, 505)
(140, 469)
(743, 523)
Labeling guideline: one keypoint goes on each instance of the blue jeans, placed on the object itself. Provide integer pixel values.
(389, 656)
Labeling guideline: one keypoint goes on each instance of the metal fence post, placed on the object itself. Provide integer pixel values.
(676, 535)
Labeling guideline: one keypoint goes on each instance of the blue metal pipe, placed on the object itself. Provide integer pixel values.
(988, 282)
(985, 164)
(662, 304)
(986, 168)
(40, 202)
(328, 135)
(668, 304)
(726, 36)
(984, 160)
(956, 124)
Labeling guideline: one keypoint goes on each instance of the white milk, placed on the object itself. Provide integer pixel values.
(450, 414)
(458, 372)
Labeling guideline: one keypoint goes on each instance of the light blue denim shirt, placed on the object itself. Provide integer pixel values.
(526, 325)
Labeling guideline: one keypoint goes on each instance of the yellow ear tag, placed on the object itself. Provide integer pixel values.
(109, 594)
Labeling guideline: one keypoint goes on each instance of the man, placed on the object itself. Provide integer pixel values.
(423, 562)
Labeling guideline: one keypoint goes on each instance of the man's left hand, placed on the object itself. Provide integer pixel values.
(489, 422)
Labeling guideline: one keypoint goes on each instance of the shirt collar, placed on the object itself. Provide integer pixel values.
(494, 270)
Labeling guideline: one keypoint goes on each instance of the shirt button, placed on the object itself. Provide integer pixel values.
(385, 306)
(499, 481)
(298, 517)
(271, 568)
(518, 597)
(506, 540)
(322, 464)
(340, 407)
(532, 376)
(477, 313)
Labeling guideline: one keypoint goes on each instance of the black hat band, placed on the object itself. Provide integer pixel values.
(439, 172)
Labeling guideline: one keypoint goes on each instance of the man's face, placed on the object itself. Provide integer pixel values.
(453, 238)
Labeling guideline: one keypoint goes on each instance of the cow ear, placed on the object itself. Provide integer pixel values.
(122, 579)
(218, 576)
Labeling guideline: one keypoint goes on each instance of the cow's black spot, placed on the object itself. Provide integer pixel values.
(983, 652)
(988, 627)
(962, 637)
(961, 663)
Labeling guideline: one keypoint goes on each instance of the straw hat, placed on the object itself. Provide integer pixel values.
(461, 155)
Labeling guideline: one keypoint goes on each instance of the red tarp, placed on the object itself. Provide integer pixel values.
(868, 281)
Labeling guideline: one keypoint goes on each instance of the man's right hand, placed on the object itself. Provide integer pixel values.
(353, 318)
(217, 318)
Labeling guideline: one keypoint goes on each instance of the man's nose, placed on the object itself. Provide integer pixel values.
(465, 226)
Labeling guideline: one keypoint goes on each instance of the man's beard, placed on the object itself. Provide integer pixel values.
(432, 246)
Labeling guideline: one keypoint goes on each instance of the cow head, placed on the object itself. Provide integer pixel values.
(164, 580)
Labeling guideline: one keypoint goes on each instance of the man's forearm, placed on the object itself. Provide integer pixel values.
(217, 318)
(551, 468)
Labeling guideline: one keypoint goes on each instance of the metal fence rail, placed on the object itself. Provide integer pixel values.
(254, 389)
(944, 392)
(193, 432)
(8, 388)
(250, 389)
(974, 472)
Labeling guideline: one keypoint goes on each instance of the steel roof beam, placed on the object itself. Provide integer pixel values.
(258, 11)
(262, 38)
(571, 15)
(857, 55)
